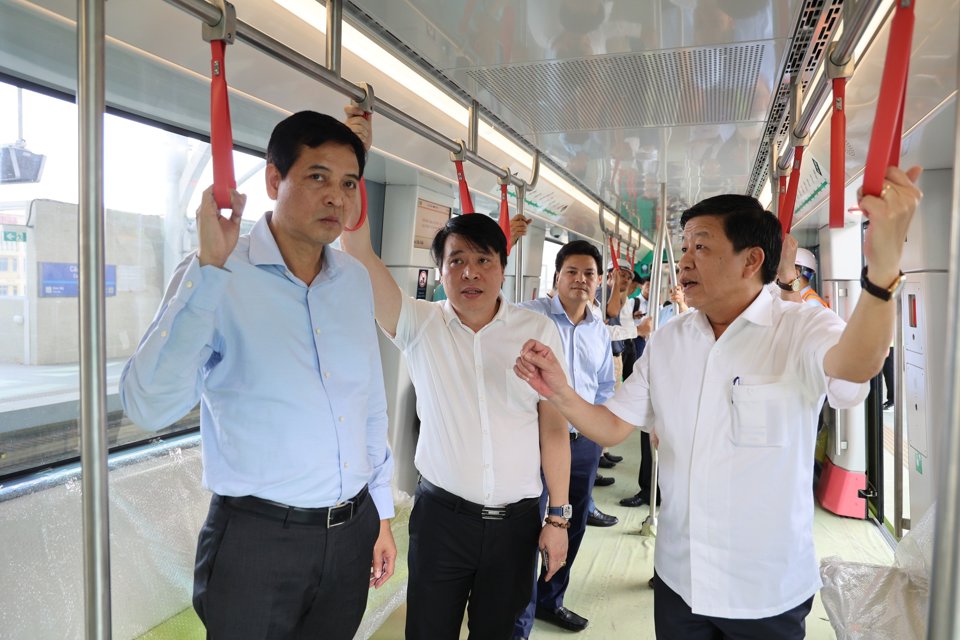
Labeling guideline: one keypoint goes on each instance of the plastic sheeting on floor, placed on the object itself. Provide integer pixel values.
(870, 602)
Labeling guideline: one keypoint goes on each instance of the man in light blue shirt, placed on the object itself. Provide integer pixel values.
(274, 334)
(589, 361)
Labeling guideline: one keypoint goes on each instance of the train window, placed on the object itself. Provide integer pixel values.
(153, 178)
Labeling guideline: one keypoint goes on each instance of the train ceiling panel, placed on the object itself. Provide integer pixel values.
(619, 93)
(625, 91)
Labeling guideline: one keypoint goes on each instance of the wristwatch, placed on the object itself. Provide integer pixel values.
(884, 293)
(794, 285)
(564, 511)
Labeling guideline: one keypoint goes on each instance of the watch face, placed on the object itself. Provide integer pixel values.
(567, 511)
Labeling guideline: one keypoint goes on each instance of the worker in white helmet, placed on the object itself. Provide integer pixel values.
(806, 267)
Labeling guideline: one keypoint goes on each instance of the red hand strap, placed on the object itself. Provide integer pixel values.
(888, 125)
(614, 254)
(505, 215)
(466, 204)
(363, 198)
(781, 192)
(838, 152)
(786, 211)
(221, 133)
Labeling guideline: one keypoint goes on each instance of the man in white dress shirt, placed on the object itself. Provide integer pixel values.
(484, 434)
(733, 389)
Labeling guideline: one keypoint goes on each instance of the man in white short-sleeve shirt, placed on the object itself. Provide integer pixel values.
(484, 434)
(733, 389)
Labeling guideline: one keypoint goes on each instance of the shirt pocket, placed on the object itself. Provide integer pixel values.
(520, 395)
(761, 414)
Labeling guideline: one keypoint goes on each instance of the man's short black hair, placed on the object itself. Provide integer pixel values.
(638, 278)
(578, 248)
(643, 279)
(746, 224)
(309, 129)
(481, 232)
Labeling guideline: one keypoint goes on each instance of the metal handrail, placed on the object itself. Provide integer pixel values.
(91, 29)
(842, 54)
(274, 48)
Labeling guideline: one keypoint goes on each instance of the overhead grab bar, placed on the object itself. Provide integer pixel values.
(272, 47)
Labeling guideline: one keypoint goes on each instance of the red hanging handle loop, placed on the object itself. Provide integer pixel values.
(363, 196)
(887, 131)
(466, 204)
(221, 132)
(781, 192)
(505, 214)
(786, 210)
(838, 152)
(614, 253)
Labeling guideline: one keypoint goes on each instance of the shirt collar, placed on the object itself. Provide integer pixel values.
(556, 308)
(449, 314)
(759, 312)
(265, 252)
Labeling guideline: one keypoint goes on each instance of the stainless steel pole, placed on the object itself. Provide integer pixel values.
(899, 400)
(93, 399)
(603, 280)
(649, 527)
(334, 27)
(518, 261)
(944, 616)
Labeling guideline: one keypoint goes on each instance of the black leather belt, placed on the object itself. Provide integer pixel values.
(325, 516)
(459, 505)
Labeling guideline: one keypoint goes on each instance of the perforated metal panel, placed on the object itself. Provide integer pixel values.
(653, 89)
(814, 32)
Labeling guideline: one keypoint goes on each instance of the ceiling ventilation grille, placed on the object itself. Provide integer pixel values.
(815, 28)
(653, 89)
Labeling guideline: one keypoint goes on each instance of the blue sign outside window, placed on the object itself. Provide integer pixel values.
(62, 280)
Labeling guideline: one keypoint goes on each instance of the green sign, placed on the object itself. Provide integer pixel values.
(919, 461)
(14, 236)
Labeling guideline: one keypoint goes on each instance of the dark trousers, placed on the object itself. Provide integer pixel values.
(888, 379)
(584, 455)
(256, 578)
(646, 467)
(458, 560)
(675, 620)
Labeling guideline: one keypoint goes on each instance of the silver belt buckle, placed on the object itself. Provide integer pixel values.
(493, 513)
(336, 508)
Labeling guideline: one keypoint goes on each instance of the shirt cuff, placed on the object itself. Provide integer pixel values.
(383, 499)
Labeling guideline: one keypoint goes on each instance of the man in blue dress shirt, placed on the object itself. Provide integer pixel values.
(274, 334)
(589, 361)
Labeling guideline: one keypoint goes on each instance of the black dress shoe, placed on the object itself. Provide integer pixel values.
(635, 501)
(606, 464)
(612, 458)
(888, 405)
(650, 584)
(598, 518)
(563, 618)
(603, 481)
